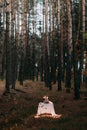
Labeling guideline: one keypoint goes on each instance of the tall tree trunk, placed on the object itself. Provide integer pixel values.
(53, 40)
(13, 45)
(3, 40)
(22, 47)
(62, 40)
(1, 45)
(69, 47)
(47, 50)
(83, 22)
(8, 55)
(84, 48)
(59, 52)
(75, 62)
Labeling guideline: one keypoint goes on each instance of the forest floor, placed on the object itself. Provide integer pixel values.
(17, 109)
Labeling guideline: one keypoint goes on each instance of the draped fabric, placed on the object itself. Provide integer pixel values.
(46, 108)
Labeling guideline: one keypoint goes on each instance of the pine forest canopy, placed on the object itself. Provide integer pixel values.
(45, 38)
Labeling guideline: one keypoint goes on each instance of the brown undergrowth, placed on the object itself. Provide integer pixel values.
(17, 109)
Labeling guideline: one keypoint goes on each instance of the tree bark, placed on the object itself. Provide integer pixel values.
(59, 52)
(8, 55)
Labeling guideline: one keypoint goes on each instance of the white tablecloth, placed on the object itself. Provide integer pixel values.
(46, 108)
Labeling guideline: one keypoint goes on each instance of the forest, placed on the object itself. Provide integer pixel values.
(43, 45)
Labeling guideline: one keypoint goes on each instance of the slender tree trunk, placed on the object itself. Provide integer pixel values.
(84, 48)
(69, 47)
(59, 52)
(21, 66)
(83, 22)
(75, 63)
(3, 40)
(13, 46)
(8, 56)
(53, 40)
(21, 69)
(47, 69)
(62, 40)
(1, 45)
